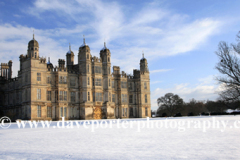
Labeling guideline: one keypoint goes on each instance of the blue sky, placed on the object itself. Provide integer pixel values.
(178, 37)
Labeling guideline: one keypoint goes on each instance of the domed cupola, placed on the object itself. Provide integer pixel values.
(104, 47)
(33, 43)
(143, 64)
(70, 56)
(70, 52)
(84, 44)
(33, 48)
(105, 54)
(84, 52)
(49, 63)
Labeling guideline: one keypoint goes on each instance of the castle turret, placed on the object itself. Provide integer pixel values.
(10, 69)
(61, 63)
(70, 56)
(33, 48)
(143, 65)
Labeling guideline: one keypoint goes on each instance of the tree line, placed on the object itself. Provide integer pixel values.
(172, 105)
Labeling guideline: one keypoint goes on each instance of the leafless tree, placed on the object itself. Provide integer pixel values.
(229, 67)
(171, 102)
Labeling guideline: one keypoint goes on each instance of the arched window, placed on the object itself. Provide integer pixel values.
(35, 48)
(108, 59)
(87, 56)
(35, 54)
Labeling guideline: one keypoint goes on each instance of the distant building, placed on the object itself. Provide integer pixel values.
(86, 90)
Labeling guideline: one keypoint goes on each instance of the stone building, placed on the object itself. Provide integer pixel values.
(89, 89)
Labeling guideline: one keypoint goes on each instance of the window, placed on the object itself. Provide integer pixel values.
(88, 68)
(123, 84)
(98, 97)
(109, 97)
(48, 95)
(61, 95)
(131, 112)
(73, 96)
(65, 95)
(130, 86)
(49, 111)
(56, 95)
(88, 81)
(124, 98)
(145, 98)
(35, 48)
(113, 97)
(146, 111)
(98, 82)
(38, 76)
(26, 77)
(61, 111)
(145, 85)
(62, 79)
(72, 82)
(93, 81)
(108, 59)
(39, 111)
(123, 112)
(48, 79)
(88, 96)
(130, 98)
(113, 84)
(87, 56)
(38, 93)
(35, 54)
(109, 70)
(109, 83)
(98, 69)
(65, 112)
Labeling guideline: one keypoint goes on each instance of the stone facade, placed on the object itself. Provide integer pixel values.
(87, 90)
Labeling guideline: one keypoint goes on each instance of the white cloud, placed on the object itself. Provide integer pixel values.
(160, 70)
(156, 31)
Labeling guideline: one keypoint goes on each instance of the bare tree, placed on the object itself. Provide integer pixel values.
(229, 67)
(171, 102)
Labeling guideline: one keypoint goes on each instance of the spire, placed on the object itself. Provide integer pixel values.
(48, 61)
(69, 47)
(142, 54)
(84, 40)
(105, 47)
(33, 35)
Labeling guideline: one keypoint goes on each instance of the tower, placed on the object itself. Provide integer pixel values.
(70, 56)
(85, 80)
(144, 92)
(105, 56)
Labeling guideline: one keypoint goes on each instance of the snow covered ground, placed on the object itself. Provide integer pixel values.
(121, 143)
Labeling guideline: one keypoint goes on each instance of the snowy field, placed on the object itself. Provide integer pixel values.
(195, 141)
